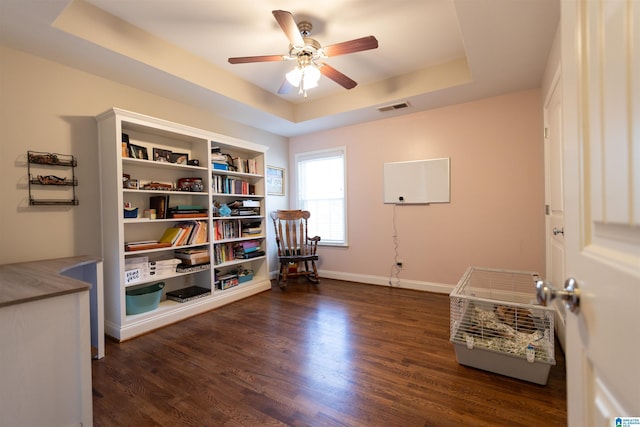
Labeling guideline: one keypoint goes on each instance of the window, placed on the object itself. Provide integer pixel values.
(321, 189)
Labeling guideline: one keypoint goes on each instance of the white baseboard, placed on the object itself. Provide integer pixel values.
(417, 285)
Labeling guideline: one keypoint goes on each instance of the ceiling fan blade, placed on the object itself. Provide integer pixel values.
(289, 26)
(357, 45)
(264, 58)
(337, 76)
(285, 87)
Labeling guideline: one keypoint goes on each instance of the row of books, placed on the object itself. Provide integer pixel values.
(227, 252)
(239, 164)
(186, 233)
(245, 165)
(232, 229)
(229, 185)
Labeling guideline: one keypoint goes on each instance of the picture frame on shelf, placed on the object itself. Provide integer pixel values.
(161, 155)
(275, 181)
(179, 158)
(138, 152)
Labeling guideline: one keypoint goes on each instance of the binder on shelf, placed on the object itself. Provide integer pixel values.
(186, 268)
(188, 294)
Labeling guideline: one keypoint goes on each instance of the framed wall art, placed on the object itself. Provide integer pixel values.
(275, 181)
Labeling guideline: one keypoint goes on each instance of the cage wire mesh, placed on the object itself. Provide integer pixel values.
(496, 310)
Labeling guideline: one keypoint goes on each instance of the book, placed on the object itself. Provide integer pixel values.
(188, 294)
(189, 215)
(130, 247)
(189, 208)
(160, 204)
(171, 235)
(200, 234)
(253, 254)
(187, 230)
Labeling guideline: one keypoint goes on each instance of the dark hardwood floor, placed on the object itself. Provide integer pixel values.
(336, 354)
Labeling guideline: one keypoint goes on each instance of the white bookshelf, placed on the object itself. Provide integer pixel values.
(149, 133)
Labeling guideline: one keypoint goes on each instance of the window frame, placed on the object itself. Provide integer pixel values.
(320, 154)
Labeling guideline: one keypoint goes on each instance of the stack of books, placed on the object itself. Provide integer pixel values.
(218, 159)
(144, 245)
(249, 249)
(192, 257)
(251, 229)
(188, 211)
(163, 267)
(136, 270)
(245, 207)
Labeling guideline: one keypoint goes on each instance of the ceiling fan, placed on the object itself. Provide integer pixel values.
(308, 53)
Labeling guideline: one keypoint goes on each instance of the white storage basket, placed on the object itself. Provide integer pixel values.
(497, 325)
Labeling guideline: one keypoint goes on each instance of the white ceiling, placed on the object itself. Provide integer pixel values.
(431, 52)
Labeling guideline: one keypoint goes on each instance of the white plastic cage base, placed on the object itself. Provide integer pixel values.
(496, 324)
(503, 364)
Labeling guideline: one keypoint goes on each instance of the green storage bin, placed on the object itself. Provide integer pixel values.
(146, 298)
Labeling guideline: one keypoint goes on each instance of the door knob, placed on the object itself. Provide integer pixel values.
(557, 231)
(570, 294)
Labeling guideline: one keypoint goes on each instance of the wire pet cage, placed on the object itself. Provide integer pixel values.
(496, 324)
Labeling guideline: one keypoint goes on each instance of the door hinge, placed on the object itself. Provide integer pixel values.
(546, 209)
(546, 133)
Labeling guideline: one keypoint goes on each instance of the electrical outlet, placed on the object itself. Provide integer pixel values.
(400, 264)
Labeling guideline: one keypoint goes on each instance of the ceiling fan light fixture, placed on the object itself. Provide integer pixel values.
(294, 76)
(304, 76)
(310, 76)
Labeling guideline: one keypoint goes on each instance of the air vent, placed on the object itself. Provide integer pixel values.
(393, 107)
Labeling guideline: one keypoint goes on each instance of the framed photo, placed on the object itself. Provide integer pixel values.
(179, 158)
(160, 155)
(275, 181)
(138, 152)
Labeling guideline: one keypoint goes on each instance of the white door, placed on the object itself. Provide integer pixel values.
(554, 201)
(601, 128)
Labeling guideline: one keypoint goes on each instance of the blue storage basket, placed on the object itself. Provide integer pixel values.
(131, 213)
(141, 300)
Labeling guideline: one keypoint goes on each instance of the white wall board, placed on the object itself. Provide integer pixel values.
(417, 182)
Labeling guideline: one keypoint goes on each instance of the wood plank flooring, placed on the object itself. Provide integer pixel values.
(336, 354)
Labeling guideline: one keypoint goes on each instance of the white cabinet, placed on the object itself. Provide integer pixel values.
(152, 172)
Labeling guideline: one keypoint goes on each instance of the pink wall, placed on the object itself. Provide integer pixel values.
(496, 215)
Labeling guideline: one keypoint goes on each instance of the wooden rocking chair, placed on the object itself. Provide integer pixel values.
(296, 250)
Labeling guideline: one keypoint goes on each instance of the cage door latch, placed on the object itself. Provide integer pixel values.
(570, 294)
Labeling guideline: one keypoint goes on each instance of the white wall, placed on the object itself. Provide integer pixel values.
(46, 106)
(496, 215)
